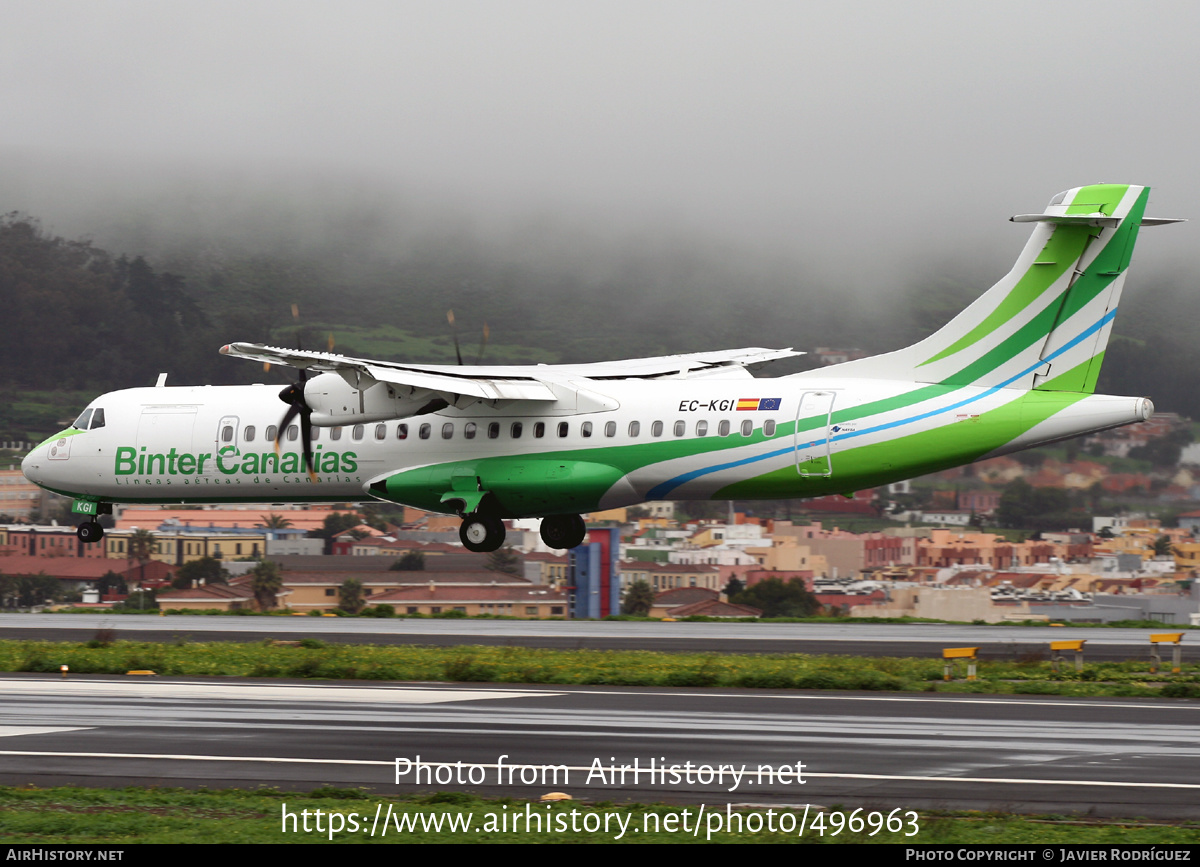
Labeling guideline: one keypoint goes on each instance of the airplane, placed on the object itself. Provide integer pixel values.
(1017, 368)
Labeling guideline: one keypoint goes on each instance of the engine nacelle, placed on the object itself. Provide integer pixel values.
(334, 401)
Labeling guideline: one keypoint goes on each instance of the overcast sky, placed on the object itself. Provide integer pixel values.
(840, 132)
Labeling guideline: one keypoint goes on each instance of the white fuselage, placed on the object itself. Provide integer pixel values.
(672, 438)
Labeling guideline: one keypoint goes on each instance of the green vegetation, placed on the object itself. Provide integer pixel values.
(1027, 675)
(70, 815)
(639, 599)
(776, 598)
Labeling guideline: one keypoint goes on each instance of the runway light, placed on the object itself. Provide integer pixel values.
(556, 796)
(64, 669)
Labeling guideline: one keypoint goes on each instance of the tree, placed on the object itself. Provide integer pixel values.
(141, 547)
(733, 588)
(504, 560)
(1163, 547)
(1023, 506)
(336, 524)
(26, 591)
(350, 596)
(779, 599)
(205, 570)
(266, 581)
(110, 582)
(639, 598)
(273, 521)
(412, 561)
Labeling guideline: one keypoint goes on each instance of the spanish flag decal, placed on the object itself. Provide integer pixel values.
(758, 403)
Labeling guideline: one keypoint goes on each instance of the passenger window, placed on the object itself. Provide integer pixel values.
(539, 429)
(469, 430)
(293, 433)
(401, 431)
(610, 429)
(97, 419)
(585, 429)
(701, 428)
(357, 432)
(335, 433)
(563, 428)
(635, 428)
(248, 433)
(447, 430)
(424, 430)
(314, 433)
(723, 428)
(656, 429)
(516, 429)
(380, 431)
(270, 432)
(769, 428)
(680, 428)
(493, 430)
(227, 433)
(747, 428)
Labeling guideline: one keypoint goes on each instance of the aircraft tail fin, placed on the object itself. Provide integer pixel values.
(1046, 324)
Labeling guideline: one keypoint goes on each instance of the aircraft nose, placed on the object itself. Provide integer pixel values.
(31, 465)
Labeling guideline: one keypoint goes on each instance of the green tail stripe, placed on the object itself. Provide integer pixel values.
(1098, 198)
(1063, 249)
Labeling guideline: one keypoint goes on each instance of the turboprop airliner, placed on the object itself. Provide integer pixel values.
(1015, 369)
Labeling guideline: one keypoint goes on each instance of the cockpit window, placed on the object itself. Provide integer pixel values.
(97, 419)
(84, 420)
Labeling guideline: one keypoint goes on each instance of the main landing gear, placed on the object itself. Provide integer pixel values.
(481, 533)
(563, 531)
(89, 532)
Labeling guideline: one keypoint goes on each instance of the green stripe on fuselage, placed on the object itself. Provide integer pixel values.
(905, 457)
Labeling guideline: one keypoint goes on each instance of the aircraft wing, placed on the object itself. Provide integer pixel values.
(504, 382)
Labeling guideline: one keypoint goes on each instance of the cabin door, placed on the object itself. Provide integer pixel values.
(813, 418)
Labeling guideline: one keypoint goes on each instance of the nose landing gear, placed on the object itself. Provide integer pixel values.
(89, 532)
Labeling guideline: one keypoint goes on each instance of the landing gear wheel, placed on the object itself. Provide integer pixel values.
(481, 533)
(89, 532)
(563, 531)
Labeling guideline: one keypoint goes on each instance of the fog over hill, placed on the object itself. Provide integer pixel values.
(605, 180)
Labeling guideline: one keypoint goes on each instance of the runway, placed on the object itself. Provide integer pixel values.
(1109, 757)
(924, 640)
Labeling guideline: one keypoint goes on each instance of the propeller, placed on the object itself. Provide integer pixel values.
(293, 396)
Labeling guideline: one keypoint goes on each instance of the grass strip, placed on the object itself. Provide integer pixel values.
(1029, 674)
(65, 815)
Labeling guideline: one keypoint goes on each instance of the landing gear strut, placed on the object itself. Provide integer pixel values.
(563, 531)
(481, 533)
(89, 532)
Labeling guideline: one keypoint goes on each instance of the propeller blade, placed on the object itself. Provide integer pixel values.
(291, 413)
(306, 438)
(454, 334)
(483, 343)
(293, 396)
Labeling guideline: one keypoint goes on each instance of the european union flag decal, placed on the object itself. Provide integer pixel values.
(769, 402)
